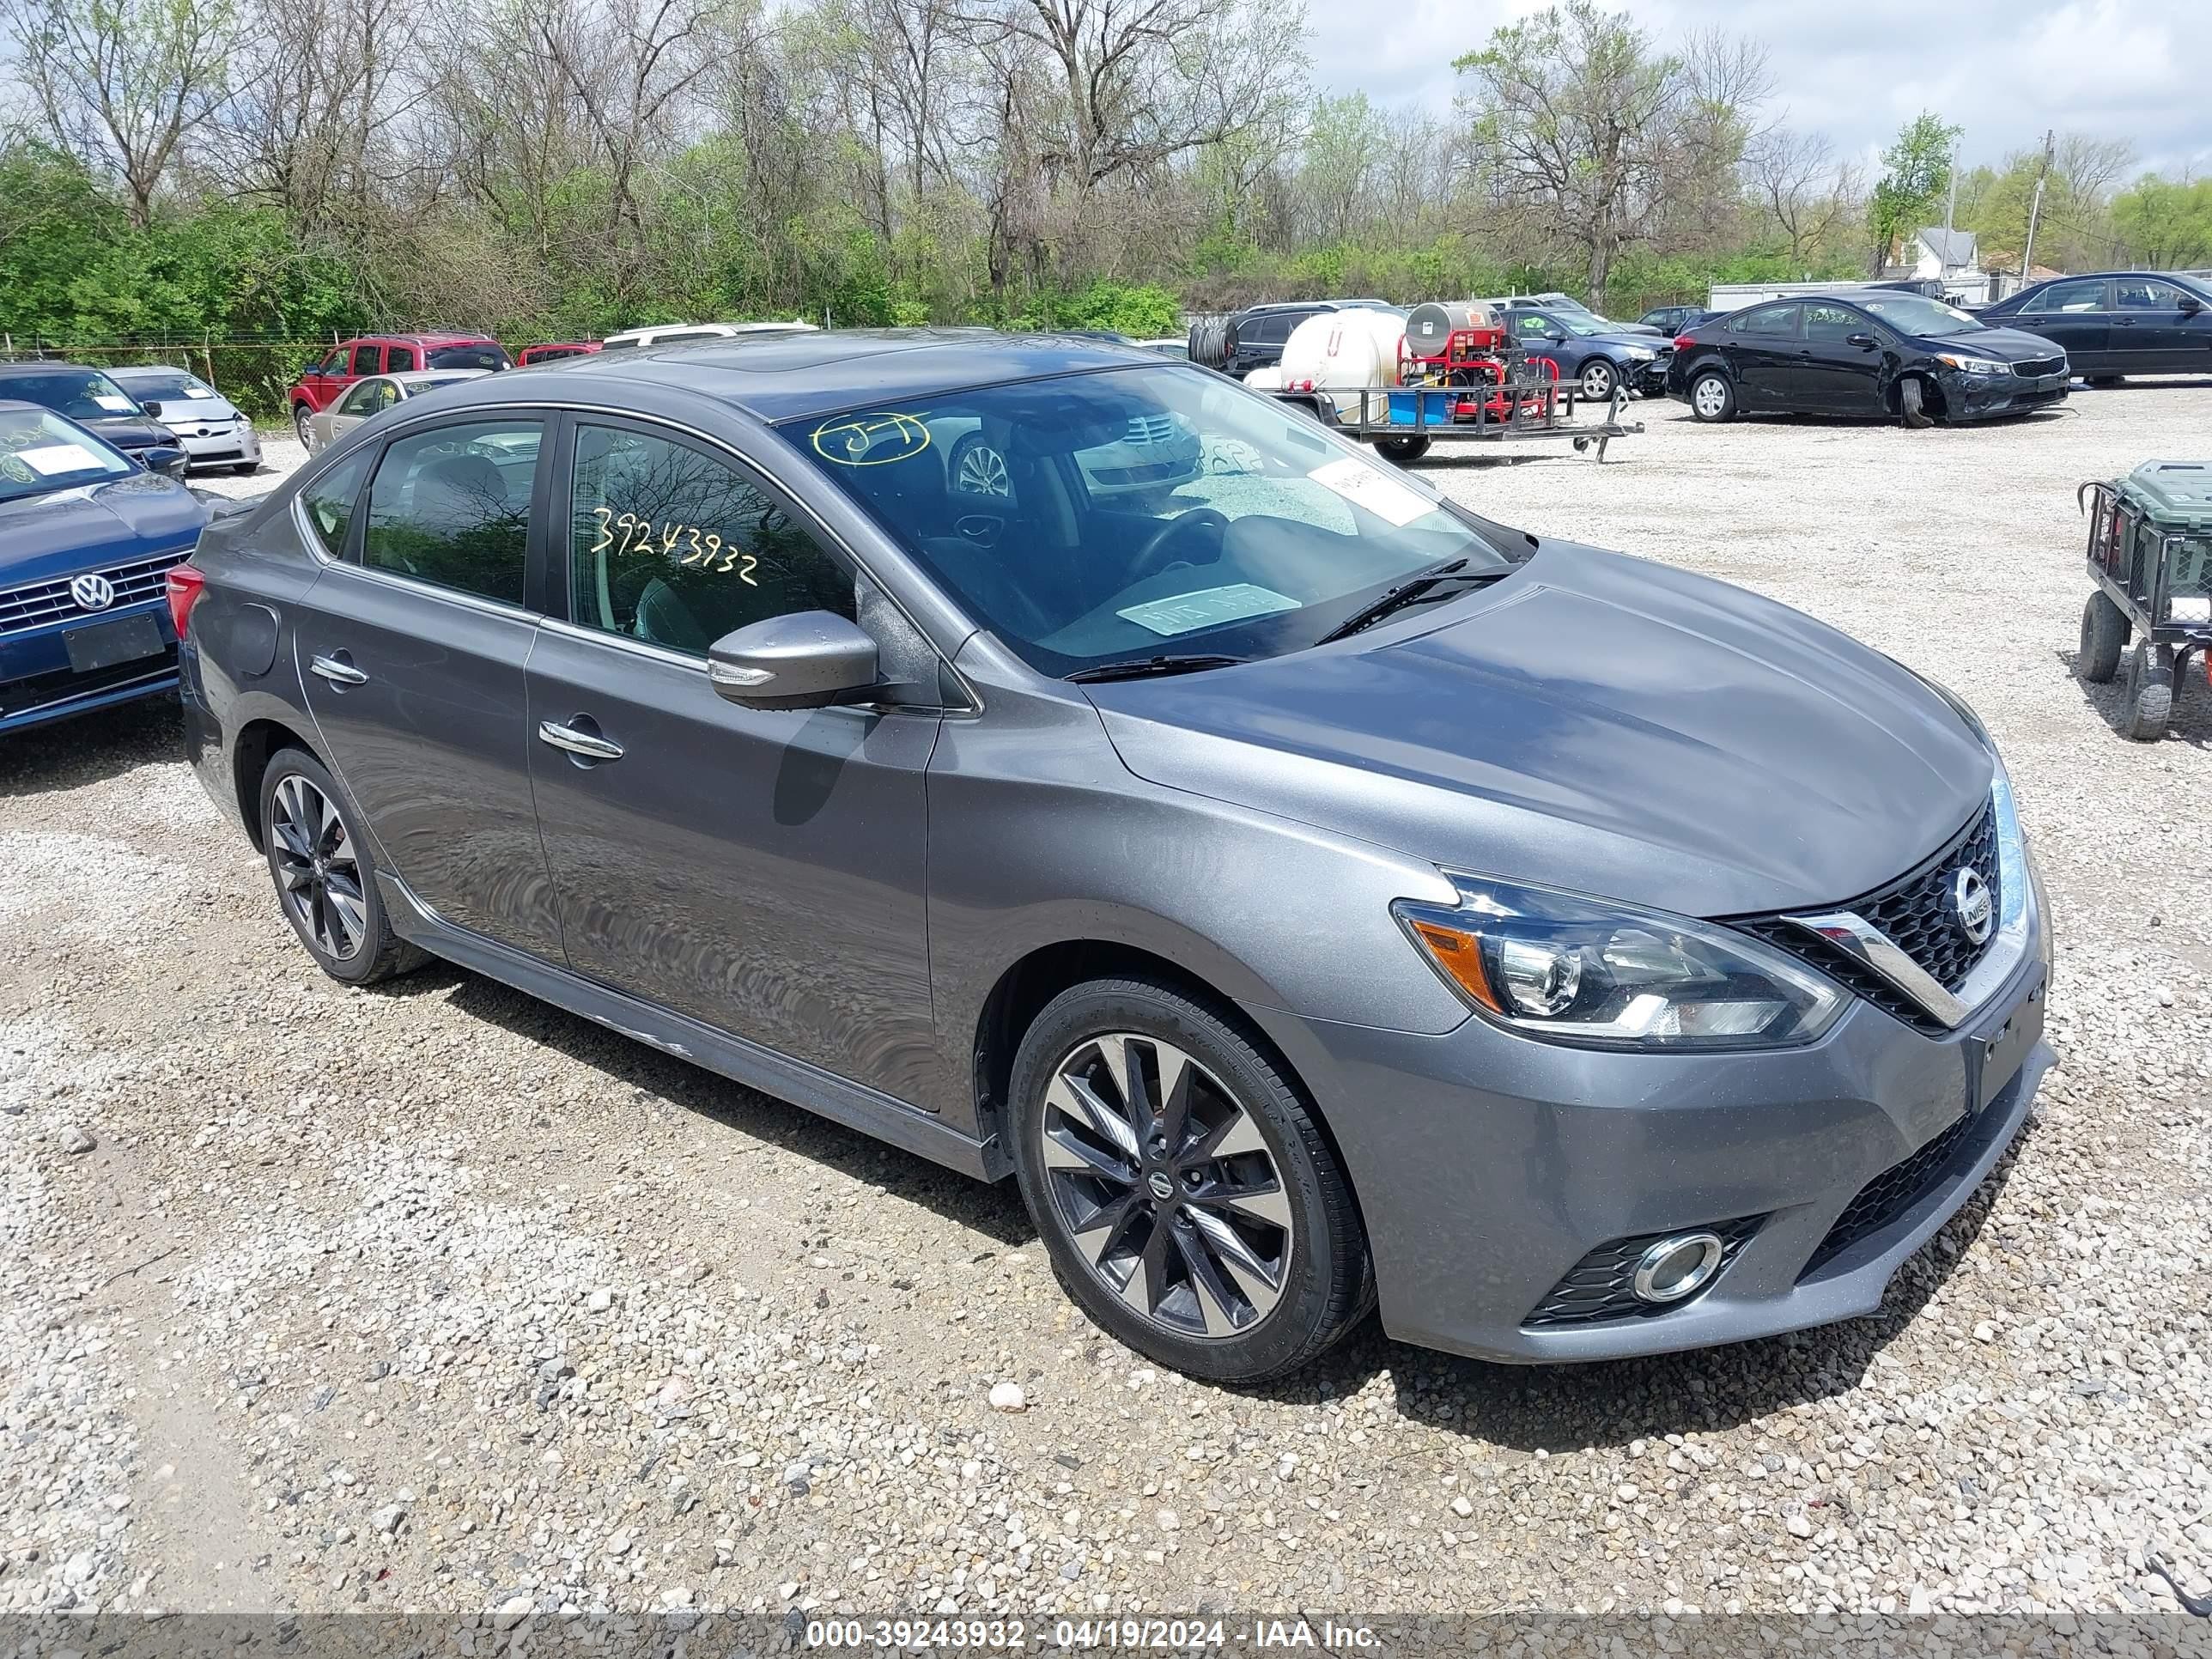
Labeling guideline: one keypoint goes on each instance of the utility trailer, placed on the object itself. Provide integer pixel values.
(2150, 556)
(1402, 422)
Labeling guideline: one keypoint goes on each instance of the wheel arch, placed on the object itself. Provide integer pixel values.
(258, 743)
(1032, 981)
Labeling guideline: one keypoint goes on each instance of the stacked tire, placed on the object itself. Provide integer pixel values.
(1209, 342)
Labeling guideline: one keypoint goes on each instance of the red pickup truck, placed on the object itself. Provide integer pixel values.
(319, 384)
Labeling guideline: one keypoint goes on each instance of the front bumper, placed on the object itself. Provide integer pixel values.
(219, 445)
(1985, 396)
(37, 683)
(1491, 1164)
(1651, 379)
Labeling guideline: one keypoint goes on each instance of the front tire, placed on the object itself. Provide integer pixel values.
(1599, 378)
(1188, 1198)
(2149, 693)
(1712, 399)
(1912, 403)
(2104, 636)
(326, 879)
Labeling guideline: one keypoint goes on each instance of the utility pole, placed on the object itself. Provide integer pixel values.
(2035, 207)
(1951, 204)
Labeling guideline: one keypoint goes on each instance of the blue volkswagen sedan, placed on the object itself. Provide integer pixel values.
(86, 540)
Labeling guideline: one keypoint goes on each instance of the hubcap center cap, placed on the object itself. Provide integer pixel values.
(1162, 1184)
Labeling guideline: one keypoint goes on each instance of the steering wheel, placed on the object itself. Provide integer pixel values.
(1148, 562)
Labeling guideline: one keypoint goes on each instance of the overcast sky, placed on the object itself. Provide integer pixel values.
(2004, 69)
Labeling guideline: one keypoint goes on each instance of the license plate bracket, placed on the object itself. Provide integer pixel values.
(1995, 1057)
(104, 645)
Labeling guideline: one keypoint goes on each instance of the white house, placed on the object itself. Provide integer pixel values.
(1942, 254)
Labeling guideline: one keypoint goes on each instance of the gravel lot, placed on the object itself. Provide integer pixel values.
(436, 1298)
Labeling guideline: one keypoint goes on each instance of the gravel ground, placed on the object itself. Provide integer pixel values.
(433, 1298)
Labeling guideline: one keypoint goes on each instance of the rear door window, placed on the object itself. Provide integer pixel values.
(451, 506)
(398, 359)
(1769, 322)
(2070, 296)
(368, 359)
(329, 503)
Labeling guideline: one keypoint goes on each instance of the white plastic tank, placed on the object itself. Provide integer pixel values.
(1338, 351)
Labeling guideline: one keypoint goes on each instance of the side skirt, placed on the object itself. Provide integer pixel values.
(839, 1099)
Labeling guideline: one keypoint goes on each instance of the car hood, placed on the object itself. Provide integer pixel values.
(127, 432)
(2003, 345)
(91, 527)
(1649, 339)
(199, 411)
(1594, 722)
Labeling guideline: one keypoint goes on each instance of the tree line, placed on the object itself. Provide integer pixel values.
(290, 169)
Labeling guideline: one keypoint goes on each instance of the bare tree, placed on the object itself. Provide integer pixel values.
(123, 83)
(1800, 186)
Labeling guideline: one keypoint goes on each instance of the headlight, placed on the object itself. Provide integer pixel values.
(1972, 364)
(1638, 351)
(1591, 972)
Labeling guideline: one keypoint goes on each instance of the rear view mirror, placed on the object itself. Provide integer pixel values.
(811, 659)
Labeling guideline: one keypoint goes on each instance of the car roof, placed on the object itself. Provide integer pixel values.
(414, 377)
(779, 377)
(129, 369)
(43, 366)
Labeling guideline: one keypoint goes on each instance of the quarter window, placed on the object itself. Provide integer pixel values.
(670, 544)
(451, 506)
(329, 503)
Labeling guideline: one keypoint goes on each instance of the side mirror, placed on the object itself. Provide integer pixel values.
(152, 412)
(2190, 305)
(810, 660)
(1863, 342)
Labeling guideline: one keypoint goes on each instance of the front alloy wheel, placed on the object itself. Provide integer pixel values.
(1598, 380)
(1166, 1186)
(1182, 1183)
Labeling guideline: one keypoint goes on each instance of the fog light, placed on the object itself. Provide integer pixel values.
(1677, 1267)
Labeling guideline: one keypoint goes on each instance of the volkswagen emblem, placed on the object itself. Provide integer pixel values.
(93, 593)
(1970, 900)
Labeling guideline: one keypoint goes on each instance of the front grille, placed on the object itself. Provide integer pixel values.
(1916, 911)
(22, 609)
(1601, 1285)
(1891, 1194)
(2036, 367)
(1149, 429)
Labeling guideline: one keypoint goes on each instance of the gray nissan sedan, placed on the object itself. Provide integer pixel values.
(1314, 894)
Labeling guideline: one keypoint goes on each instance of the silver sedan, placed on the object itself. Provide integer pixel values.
(214, 431)
(373, 394)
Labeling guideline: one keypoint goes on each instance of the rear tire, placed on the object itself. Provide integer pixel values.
(1209, 1227)
(2104, 637)
(326, 878)
(2150, 689)
(1712, 399)
(1402, 450)
(1912, 403)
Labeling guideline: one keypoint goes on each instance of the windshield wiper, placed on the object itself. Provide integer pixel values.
(1411, 591)
(1138, 668)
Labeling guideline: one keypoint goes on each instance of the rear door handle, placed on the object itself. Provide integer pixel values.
(589, 744)
(338, 671)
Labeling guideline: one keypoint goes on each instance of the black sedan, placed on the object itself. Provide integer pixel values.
(95, 403)
(2119, 323)
(1676, 320)
(1877, 353)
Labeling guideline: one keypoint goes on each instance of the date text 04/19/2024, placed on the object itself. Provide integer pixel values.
(1150, 1635)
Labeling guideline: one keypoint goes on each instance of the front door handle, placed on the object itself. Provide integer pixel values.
(589, 744)
(338, 671)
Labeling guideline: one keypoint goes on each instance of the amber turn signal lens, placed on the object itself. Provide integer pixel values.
(1460, 956)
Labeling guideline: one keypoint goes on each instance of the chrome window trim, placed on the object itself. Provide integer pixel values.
(461, 596)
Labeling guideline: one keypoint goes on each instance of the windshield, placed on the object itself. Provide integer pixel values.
(82, 394)
(1120, 515)
(465, 357)
(160, 388)
(1913, 313)
(41, 451)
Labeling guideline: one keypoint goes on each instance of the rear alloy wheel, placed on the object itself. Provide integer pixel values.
(1599, 378)
(2149, 690)
(1402, 450)
(2104, 636)
(979, 469)
(1712, 398)
(1186, 1197)
(324, 877)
